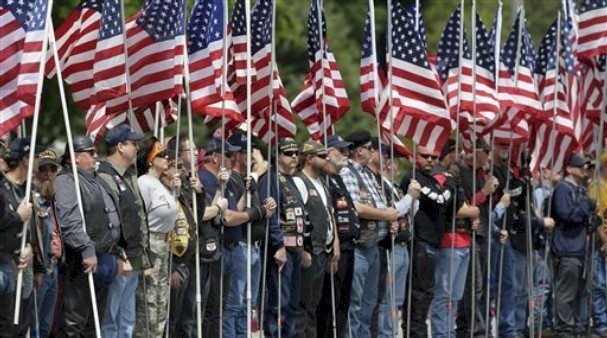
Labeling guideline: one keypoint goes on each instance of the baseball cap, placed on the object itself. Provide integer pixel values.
(20, 148)
(286, 143)
(121, 134)
(48, 157)
(576, 161)
(215, 146)
(312, 148)
(334, 141)
(358, 138)
(238, 139)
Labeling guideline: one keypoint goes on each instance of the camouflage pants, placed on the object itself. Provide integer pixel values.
(157, 292)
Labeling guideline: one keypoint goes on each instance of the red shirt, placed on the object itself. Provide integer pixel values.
(460, 239)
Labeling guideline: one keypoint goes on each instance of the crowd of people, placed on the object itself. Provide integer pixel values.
(467, 242)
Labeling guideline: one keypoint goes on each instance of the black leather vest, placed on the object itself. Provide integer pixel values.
(369, 230)
(95, 213)
(346, 217)
(320, 218)
(10, 236)
(128, 211)
(292, 213)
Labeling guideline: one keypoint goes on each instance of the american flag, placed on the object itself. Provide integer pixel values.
(155, 45)
(76, 41)
(239, 41)
(205, 36)
(109, 70)
(591, 87)
(323, 86)
(143, 119)
(418, 107)
(370, 82)
(23, 27)
(485, 110)
(593, 28)
(524, 90)
(553, 144)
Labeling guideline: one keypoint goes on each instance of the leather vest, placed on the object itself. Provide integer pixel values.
(292, 213)
(127, 210)
(369, 230)
(320, 218)
(98, 224)
(346, 217)
(10, 236)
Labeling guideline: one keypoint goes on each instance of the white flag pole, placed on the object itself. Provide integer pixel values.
(32, 153)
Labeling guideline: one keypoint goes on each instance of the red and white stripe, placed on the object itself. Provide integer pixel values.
(593, 29)
(109, 69)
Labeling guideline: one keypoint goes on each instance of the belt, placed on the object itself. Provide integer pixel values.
(293, 241)
(159, 236)
(256, 244)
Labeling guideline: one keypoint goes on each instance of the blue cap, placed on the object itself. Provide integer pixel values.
(335, 141)
(215, 145)
(121, 134)
(576, 161)
(238, 140)
(20, 148)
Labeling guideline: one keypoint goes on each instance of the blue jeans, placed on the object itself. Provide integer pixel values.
(507, 324)
(399, 269)
(119, 317)
(449, 275)
(46, 298)
(241, 321)
(7, 284)
(234, 264)
(521, 296)
(363, 295)
(290, 276)
(599, 294)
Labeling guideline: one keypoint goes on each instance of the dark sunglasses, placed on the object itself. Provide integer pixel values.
(323, 156)
(428, 156)
(163, 154)
(91, 152)
(291, 153)
(46, 168)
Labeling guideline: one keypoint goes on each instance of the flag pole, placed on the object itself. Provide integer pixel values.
(70, 145)
(188, 99)
(321, 43)
(390, 258)
(127, 67)
(32, 153)
(271, 116)
(247, 8)
(551, 138)
(497, 57)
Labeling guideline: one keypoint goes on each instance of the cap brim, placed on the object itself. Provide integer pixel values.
(135, 136)
(48, 161)
(339, 144)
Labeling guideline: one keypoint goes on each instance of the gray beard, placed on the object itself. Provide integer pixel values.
(45, 188)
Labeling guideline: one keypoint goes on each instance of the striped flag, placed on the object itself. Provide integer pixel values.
(98, 121)
(323, 86)
(418, 107)
(155, 45)
(370, 82)
(109, 70)
(205, 35)
(76, 41)
(485, 109)
(23, 25)
(593, 28)
(239, 41)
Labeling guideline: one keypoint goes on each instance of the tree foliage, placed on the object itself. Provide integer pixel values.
(345, 23)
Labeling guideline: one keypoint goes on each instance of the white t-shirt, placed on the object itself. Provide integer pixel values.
(160, 204)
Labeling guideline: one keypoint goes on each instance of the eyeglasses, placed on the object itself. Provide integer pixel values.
(46, 168)
(322, 156)
(291, 153)
(428, 156)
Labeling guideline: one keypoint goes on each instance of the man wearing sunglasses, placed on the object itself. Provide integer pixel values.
(321, 240)
(374, 218)
(119, 177)
(286, 242)
(85, 252)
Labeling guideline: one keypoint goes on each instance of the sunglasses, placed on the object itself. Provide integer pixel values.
(91, 152)
(322, 156)
(163, 154)
(291, 153)
(46, 168)
(428, 156)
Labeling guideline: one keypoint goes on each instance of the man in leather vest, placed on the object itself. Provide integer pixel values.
(374, 218)
(322, 240)
(286, 241)
(346, 223)
(14, 213)
(92, 251)
(119, 177)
